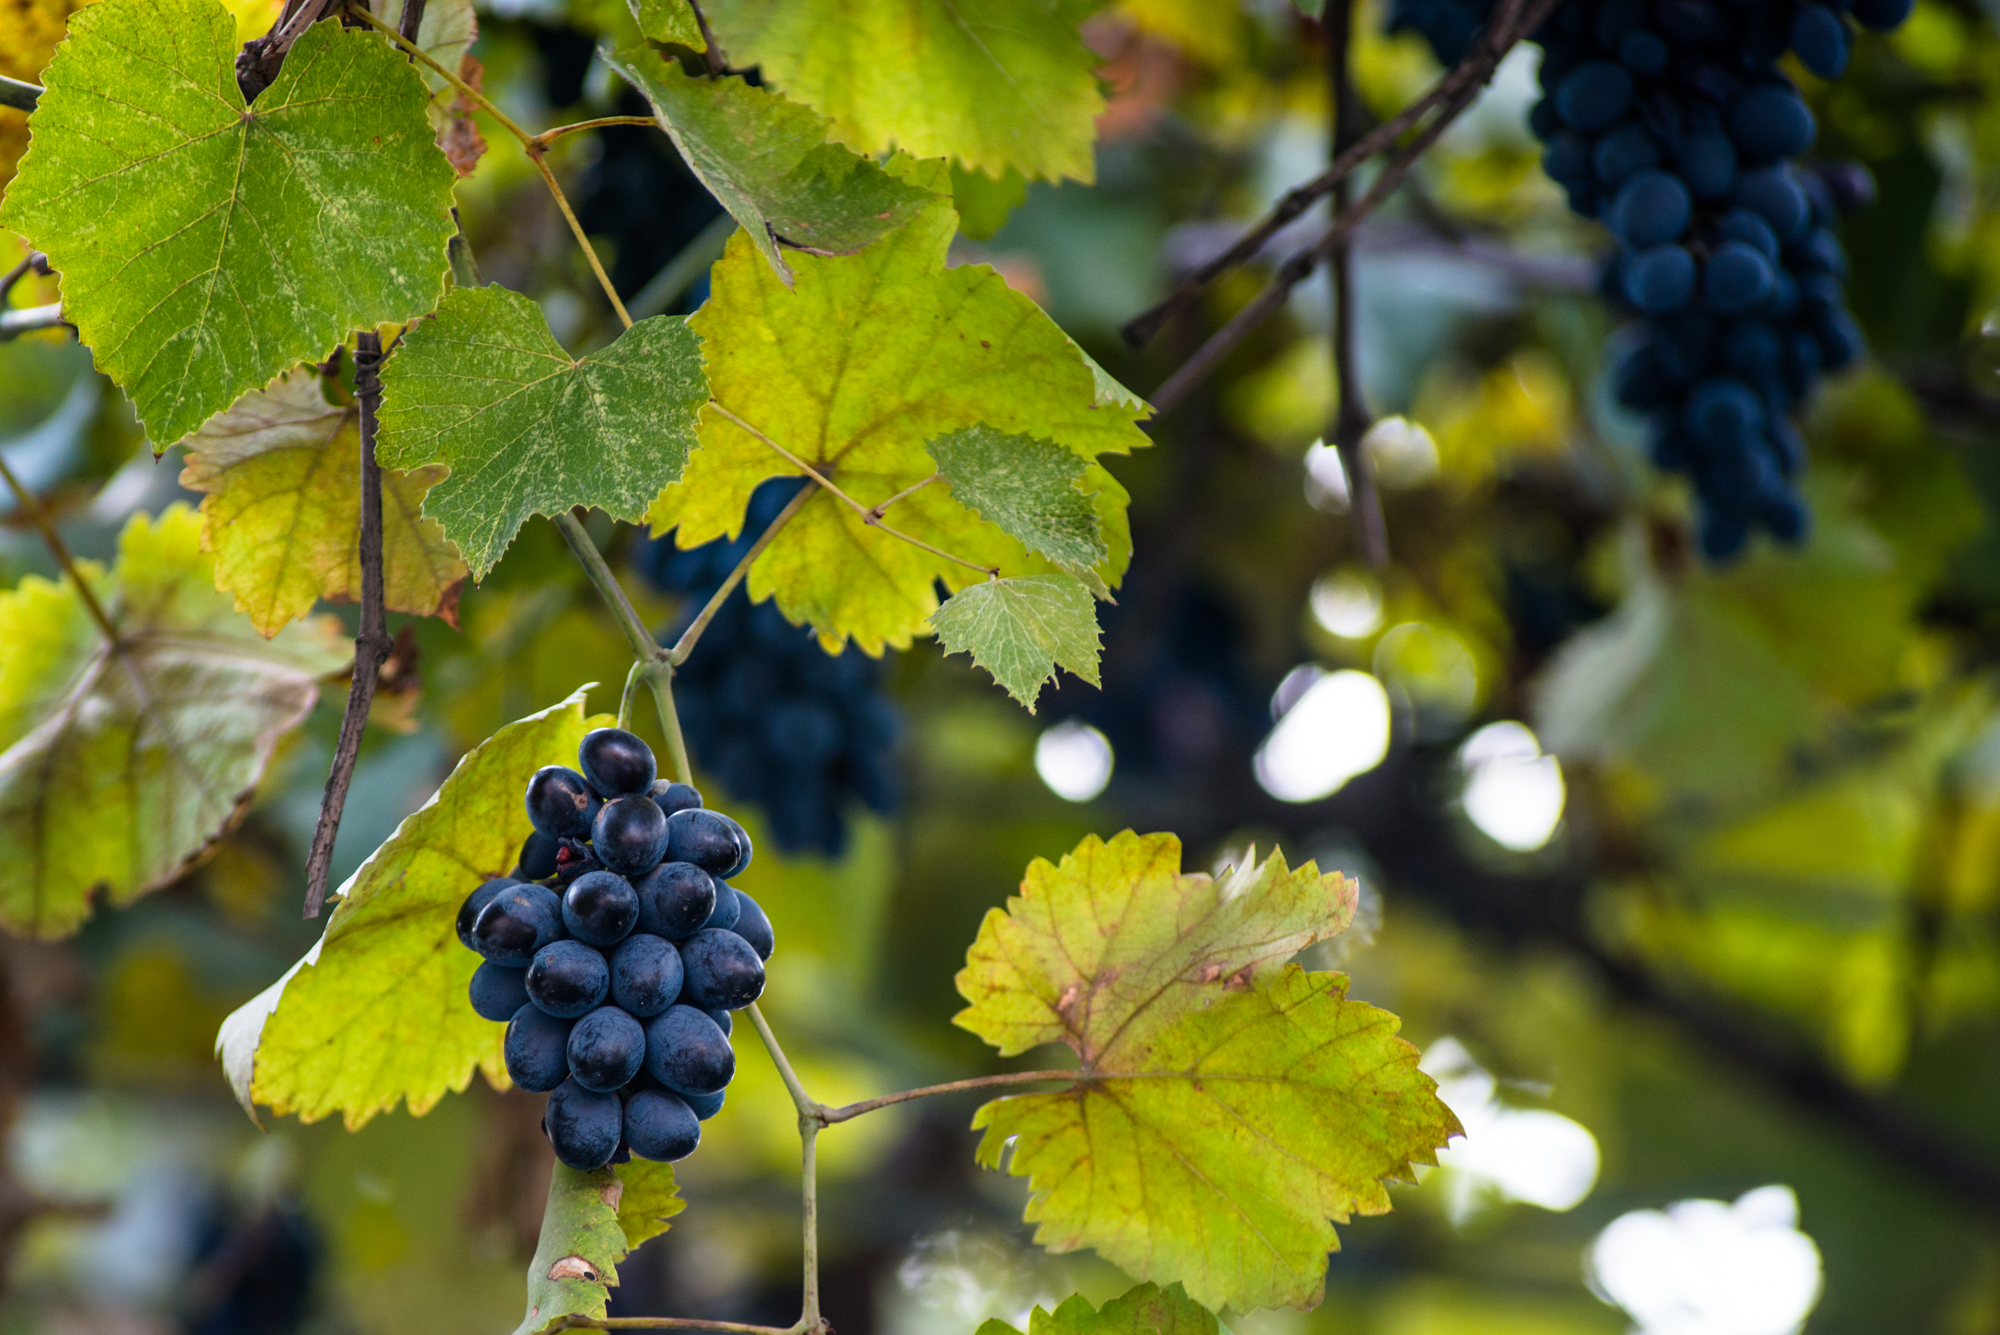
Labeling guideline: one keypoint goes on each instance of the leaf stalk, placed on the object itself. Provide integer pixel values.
(685, 645)
(32, 507)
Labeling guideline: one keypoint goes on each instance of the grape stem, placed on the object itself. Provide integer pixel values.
(711, 55)
(32, 507)
(870, 515)
(829, 1116)
(666, 1323)
(372, 645)
(685, 645)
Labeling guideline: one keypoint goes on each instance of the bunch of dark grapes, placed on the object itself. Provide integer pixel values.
(780, 721)
(616, 952)
(1670, 121)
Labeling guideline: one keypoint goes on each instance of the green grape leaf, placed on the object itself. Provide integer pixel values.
(280, 470)
(1021, 630)
(668, 21)
(583, 1239)
(991, 83)
(1230, 1105)
(445, 33)
(120, 769)
(767, 161)
(485, 389)
(853, 368)
(650, 1199)
(1146, 1310)
(390, 964)
(206, 248)
(1025, 485)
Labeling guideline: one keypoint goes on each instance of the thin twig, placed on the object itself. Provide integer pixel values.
(1351, 420)
(1475, 69)
(417, 53)
(28, 319)
(665, 1323)
(636, 675)
(60, 550)
(660, 676)
(867, 514)
(547, 137)
(411, 21)
(711, 56)
(18, 95)
(576, 230)
(644, 646)
(852, 1110)
(911, 490)
(685, 645)
(800, 1099)
(372, 645)
(33, 262)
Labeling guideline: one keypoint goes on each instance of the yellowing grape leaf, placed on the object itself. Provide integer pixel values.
(119, 769)
(390, 966)
(206, 248)
(1021, 630)
(991, 83)
(1230, 1106)
(766, 160)
(588, 1227)
(853, 368)
(668, 21)
(526, 429)
(1146, 1310)
(281, 472)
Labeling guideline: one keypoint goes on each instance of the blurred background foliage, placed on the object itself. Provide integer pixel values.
(1698, 870)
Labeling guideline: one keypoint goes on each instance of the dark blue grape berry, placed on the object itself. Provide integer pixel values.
(1594, 94)
(645, 974)
(753, 926)
(1882, 15)
(537, 1050)
(705, 838)
(583, 1125)
(660, 1125)
(468, 912)
(720, 970)
(630, 835)
(568, 979)
(1724, 414)
(560, 803)
(498, 991)
(1650, 209)
(676, 900)
(687, 1053)
(606, 1049)
(723, 1020)
(1820, 39)
(728, 908)
(1736, 279)
(1771, 123)
(538, 856)
(674, 797)
(1777, 198)
(1643, 53)
(616, 763)
(1623, 151)
(600, 908)
(705, 1106)
(517, 922)
(1659, 280)
(1708, 164)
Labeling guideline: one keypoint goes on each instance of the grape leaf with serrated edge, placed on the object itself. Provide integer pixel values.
(1146, 1310)
(1025, 485)
(668, 21)
(390, 964)
(1230, 1104)
(205, 248)
(766, 160)
(1021, 630)
(991, 83)
(119, 768)
(280, 469)
(853, 368)
(484, 388)
(592, 1222)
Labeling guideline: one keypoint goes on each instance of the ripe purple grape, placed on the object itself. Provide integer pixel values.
(538, 857)
(687, 1052)
(721, 970)
(660, 1125)
(674, 797)
(705, 838)
(676, 900)
(568, 979)
(616, 763)
(704, 1106)
(560, 803)
(630, 835)
(606, 1049)
(645, 974)
(583, 1125)
(498, 991)
(537, 1050)
(468, 912)
(754, 926)
(727, 910)
(517, 922)
(600, 908)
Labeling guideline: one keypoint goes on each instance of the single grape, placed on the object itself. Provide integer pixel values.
(645, 974)
(583, 1125)
(676, 900)
(537, 1050)
(687, 1053)
(1708, 164)
(568, 979)
(705, 838)
(1623, 151)
(721, 970)
(1659, 280)
(1594, 94)
(1751, 229)
(660, 1125)
(516, 923)
(1775, 195)
(705, 1106)
(538, 857)
(674, 797)
(723, 1020)
(727, 910)
(1820, 39)
(498, 991)
(468, 912)
(754, 926)
(1882, 15)
(1771, 123)
(1650, 209)
(600, 908)
(630, 835)
(1736, 279)
(1643, 53)
(744, 850)
(606, 1049)
(560, 803)
(616, 763)
(1723, 414)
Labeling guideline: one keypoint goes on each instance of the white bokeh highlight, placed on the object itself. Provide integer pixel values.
(1709, 1268)
(1334, 729)
(1530, 1155)
(1326, 479)
(1513, 793)
(1346, 604)
(1074, 760)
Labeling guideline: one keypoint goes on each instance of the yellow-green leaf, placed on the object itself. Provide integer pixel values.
(992, 84)
(281, 472)
(668, 21)
(650, 1199)
(119, 768)
(1021, 630)
(853, 368)
(583, 1239)
(1146, 1310)
(1231, 1107)
(390, 970)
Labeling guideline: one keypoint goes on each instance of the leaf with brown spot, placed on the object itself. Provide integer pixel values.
(586, 1232)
